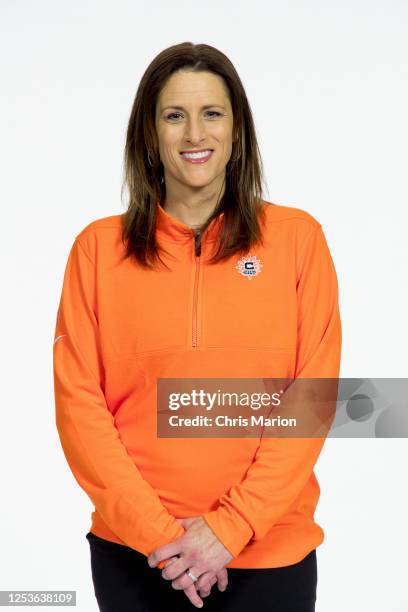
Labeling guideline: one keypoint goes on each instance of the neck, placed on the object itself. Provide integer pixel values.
(191, 208)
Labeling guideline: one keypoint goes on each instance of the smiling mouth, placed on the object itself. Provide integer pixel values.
(197, 158)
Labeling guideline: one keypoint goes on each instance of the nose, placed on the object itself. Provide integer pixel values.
(195, 131)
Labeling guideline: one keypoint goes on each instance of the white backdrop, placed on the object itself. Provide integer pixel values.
(327, 83)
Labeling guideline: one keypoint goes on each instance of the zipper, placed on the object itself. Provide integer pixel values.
(197, 251)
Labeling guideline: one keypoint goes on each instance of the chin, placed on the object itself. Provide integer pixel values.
(199, 183)
(199, 180)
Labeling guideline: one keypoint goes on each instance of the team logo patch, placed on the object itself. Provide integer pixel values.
(249, 266)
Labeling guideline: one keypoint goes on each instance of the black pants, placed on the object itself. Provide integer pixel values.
(124, 582)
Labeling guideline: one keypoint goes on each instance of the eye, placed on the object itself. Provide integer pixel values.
(216, 113)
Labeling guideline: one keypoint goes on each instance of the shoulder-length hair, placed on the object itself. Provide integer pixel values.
(241, 201)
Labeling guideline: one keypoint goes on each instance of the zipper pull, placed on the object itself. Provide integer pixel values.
(197, 241)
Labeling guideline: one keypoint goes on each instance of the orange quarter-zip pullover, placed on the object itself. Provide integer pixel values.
(120, 327)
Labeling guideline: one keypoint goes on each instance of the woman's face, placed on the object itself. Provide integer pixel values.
(193, 112)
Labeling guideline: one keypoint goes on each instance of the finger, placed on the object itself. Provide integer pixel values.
(222, 579)
(204, 593)
(164, 552)
(175, 569)
(206, 590)
(205, 580)
(193, 596)
(168, 562)
(184, 580)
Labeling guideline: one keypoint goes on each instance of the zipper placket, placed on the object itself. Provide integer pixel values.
(197, 252)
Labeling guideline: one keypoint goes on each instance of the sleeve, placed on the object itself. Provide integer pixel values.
(90, 441)
(282, 466)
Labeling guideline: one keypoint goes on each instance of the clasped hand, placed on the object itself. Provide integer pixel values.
(198, 550)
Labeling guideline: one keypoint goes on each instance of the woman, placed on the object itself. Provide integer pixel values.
(200, 278)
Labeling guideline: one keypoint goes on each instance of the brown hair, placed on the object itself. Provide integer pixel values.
(241, 201)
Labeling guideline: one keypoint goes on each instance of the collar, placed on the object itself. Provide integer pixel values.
(170, 228)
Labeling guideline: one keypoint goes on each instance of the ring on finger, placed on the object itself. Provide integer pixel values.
(191, 575)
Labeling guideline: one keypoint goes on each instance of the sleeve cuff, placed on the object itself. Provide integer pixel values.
(230, 528)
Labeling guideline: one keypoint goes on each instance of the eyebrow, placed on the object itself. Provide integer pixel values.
(203, 107)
